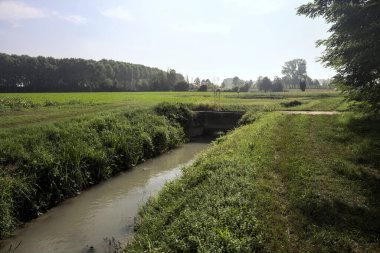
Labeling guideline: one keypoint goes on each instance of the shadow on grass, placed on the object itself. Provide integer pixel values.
(358, 165)
(342, 216)
(368, 129)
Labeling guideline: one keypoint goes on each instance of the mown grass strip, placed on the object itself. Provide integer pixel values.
(286, 183)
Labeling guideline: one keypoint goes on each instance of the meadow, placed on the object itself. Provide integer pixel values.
(22, 109)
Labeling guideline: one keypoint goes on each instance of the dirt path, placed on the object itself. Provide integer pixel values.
(313, 112)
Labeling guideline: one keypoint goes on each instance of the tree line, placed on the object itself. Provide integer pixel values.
(46, 74)
(294, 77)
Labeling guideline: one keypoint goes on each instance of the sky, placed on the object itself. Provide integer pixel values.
(212, 39)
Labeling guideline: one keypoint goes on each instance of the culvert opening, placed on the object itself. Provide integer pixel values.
(213, 123)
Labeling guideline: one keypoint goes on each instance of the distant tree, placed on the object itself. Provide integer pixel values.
(206, 82)
(236, 81)
(182, 86)
(316, 83)
(235, 89)
(353, 47)
(203, 87)
(180, 78)
(42, 74)
(171, 78)
(159, 82)
(277, 85)
(197, 82)
(303, 85)
(247, 86)
(294, 71)
(264, 84)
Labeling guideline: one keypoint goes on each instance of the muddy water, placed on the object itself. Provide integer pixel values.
(83, 223)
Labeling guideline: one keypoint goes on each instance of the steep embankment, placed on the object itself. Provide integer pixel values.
(286, 183)
(42, 165)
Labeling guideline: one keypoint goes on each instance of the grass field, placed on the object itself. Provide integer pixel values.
(116, 97)
(286, 183)
(280, 183)
(18, 110)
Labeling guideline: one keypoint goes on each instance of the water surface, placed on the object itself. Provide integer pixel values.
(107, 210)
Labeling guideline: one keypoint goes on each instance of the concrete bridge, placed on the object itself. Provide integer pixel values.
(209, 122)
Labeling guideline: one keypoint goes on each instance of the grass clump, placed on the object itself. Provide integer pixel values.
(249, 117)
(15, 103)
(42, 165)
(287, 183)
(175, 113)
(291, 103)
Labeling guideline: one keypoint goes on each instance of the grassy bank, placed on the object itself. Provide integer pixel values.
(53, 145)
(286, 183)
(42, 165)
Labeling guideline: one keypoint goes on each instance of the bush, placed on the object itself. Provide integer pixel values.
(203, 87)
(291, 103)
(249, 117)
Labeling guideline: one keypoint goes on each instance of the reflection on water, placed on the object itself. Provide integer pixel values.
(83, 223)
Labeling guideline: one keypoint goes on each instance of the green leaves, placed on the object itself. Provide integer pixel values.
(353, 48)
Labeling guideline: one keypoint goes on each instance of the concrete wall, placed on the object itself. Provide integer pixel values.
(206, 122)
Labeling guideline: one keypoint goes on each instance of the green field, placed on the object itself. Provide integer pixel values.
(116, 97)
(18, 110)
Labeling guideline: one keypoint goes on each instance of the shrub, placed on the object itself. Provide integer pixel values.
(291, 103)
(249, 117)
(203, 87)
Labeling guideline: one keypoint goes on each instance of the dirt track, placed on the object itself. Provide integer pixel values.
(312, 112)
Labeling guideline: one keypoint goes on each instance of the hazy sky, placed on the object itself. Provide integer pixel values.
(206, 38)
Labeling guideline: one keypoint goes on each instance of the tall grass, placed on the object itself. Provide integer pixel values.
(42, 165)
(286, 183)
